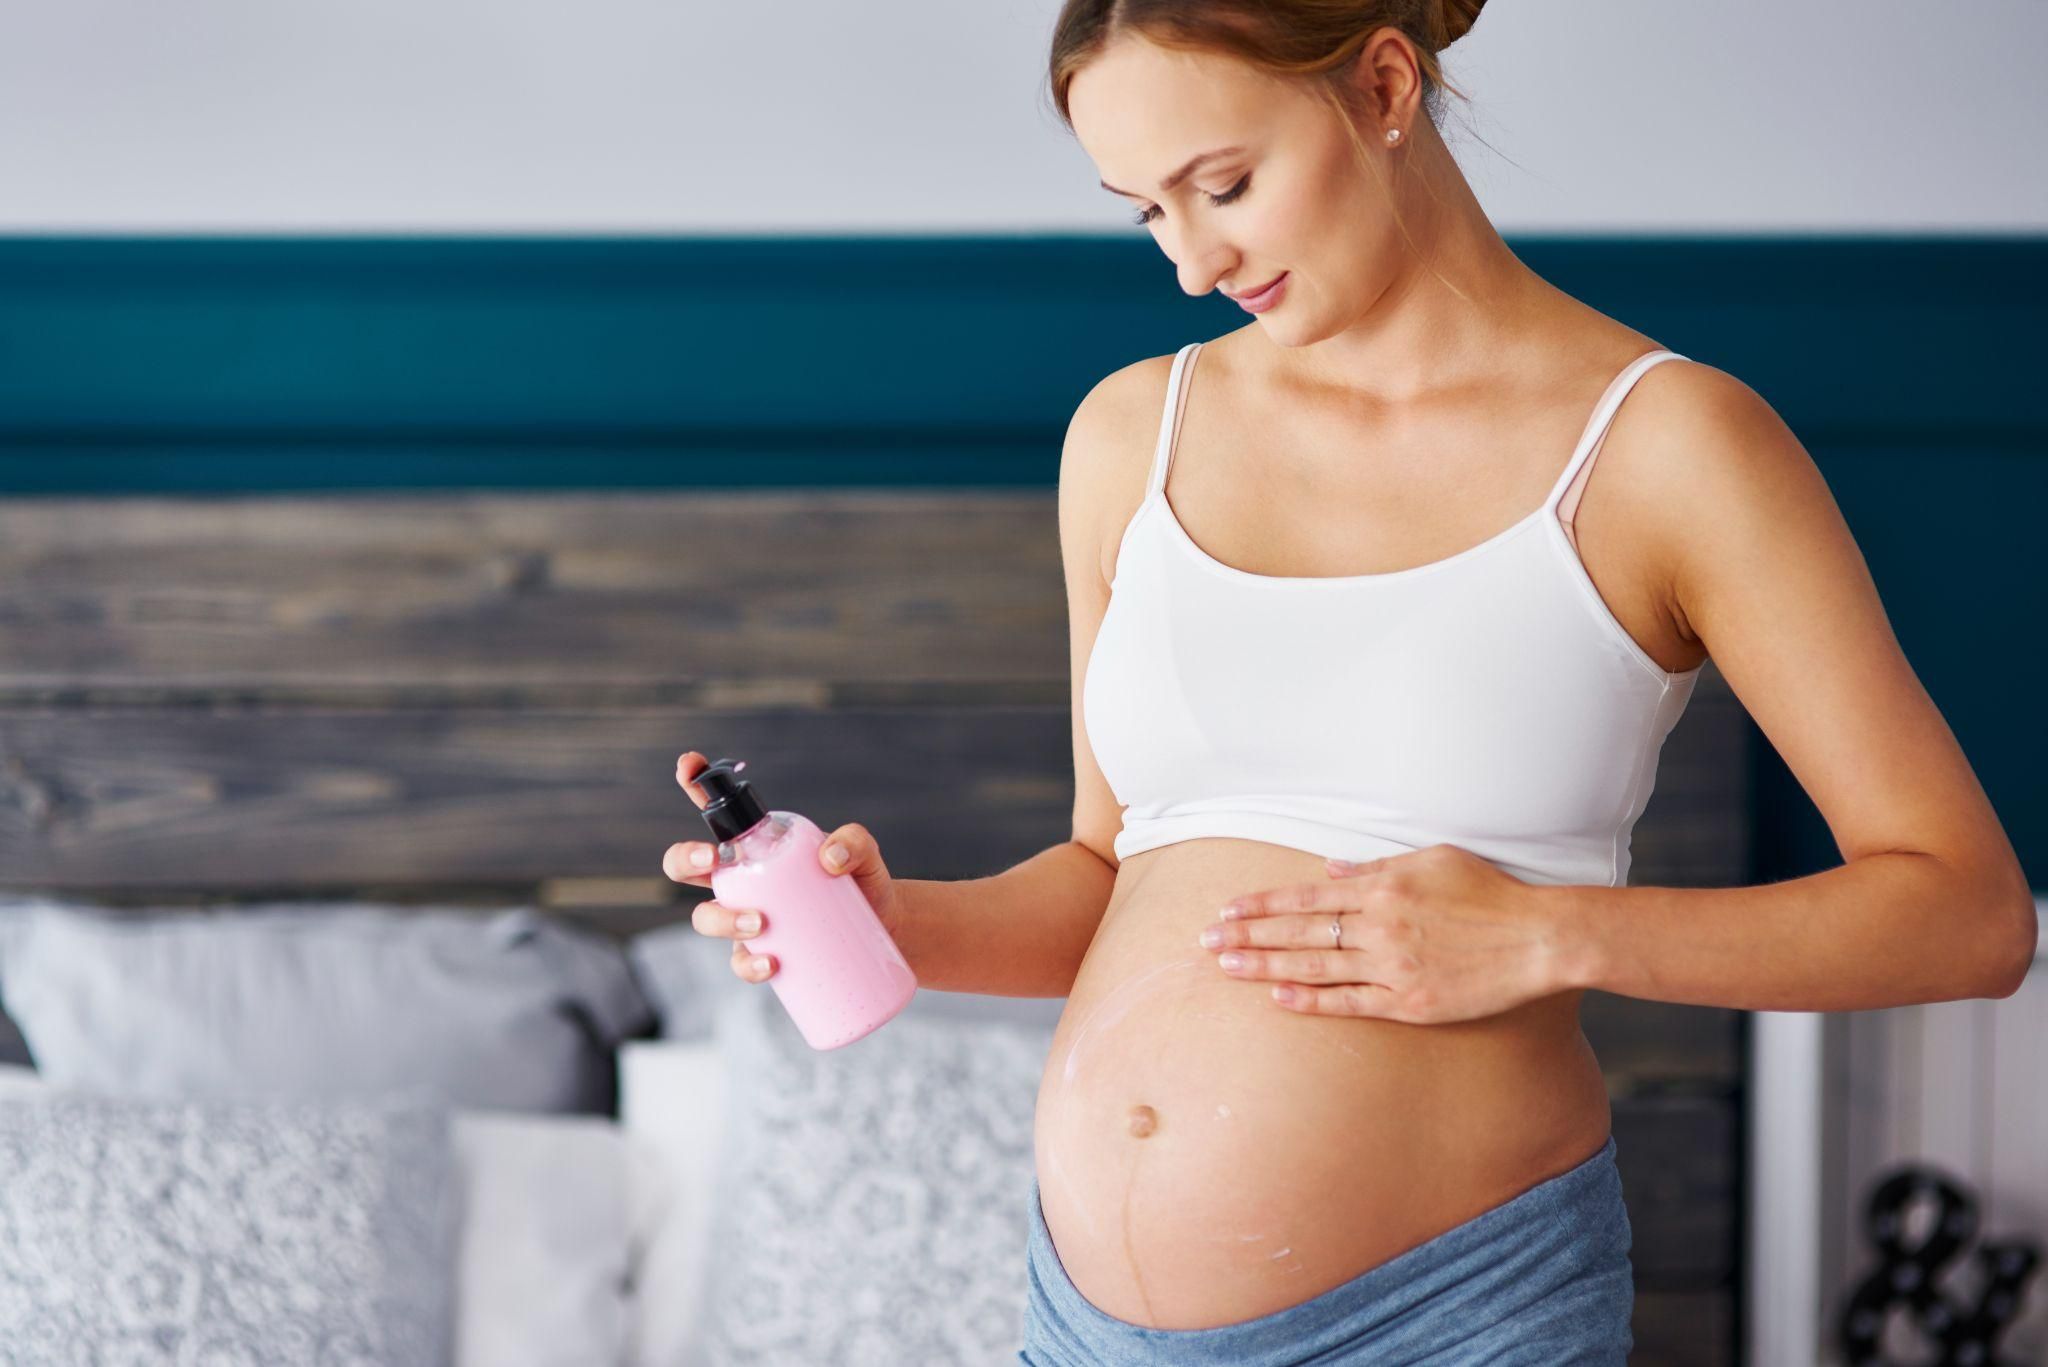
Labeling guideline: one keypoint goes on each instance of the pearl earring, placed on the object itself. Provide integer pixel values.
(1393, 135)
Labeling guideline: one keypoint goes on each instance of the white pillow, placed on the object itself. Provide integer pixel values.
(677, 1103)
(672, 1109)
(544, 1254)
(513, 1010)
(263, 1231)
(17, 1080)
(870, 1203)
(543, 1267)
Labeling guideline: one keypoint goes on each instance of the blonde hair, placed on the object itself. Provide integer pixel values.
(1313, 41)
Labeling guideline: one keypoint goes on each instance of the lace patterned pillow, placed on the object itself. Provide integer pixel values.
(871, 1206)
(224, 1232)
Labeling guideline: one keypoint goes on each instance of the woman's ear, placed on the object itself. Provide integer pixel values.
(1386, 79)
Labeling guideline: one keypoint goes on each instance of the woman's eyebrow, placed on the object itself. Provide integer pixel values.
(1166, 186)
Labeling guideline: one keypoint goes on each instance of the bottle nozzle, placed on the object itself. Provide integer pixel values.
(734, 809)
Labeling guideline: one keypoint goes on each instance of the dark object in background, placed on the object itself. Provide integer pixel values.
(1964, 1336)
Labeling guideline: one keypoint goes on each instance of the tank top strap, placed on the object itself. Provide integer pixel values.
(1573, 478)
(1169, 420)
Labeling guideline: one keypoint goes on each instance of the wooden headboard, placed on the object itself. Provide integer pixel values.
(424, 694)
(431, 693)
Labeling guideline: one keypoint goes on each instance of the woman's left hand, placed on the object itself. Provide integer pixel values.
(1430, 936)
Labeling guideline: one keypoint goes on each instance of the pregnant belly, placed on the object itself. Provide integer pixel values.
(1206, 1155)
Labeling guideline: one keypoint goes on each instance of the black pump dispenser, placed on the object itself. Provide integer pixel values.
(733, 809)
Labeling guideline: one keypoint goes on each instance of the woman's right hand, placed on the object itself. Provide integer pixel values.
(691, 862)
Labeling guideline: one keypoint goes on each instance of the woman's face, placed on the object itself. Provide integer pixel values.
(1298, 202)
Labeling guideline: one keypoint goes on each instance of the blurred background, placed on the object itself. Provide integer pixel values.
(420, 424)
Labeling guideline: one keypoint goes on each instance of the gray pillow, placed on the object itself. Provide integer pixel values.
(687, 974)
(871, 1201)
(252, 1232)
(508, 1010)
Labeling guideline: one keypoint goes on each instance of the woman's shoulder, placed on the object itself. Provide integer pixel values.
(1108, 451)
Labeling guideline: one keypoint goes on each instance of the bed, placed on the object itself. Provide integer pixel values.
(392, 774)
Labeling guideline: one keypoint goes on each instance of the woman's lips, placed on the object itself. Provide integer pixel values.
(1265, 298)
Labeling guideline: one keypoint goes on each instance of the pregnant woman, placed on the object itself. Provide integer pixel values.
(1343, 587)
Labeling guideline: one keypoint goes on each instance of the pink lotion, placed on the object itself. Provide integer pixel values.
(838, 972)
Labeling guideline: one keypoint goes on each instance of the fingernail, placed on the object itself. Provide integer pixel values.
(748, 922)
(701, 857)
(1231, 960)
(1228, 911)
(760, 964)
(835, 856)
(1211, 938)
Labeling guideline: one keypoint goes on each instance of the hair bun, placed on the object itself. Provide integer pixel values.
(1454, 19)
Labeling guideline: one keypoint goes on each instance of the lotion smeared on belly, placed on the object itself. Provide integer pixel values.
(1153, 988)
(1121, 999)
(1210, 1156)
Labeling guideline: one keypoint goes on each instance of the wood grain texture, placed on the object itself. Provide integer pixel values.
(1683, 1328)
(220, 690)
(259, 795)
(1679, 1159)
(457, 593)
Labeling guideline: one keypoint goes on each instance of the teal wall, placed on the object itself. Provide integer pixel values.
(1909, 367)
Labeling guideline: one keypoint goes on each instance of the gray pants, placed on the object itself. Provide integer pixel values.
(1539, 1280)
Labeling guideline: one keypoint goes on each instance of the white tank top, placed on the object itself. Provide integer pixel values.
(1488, 700)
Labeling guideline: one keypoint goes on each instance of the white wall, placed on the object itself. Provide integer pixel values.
(930, 116)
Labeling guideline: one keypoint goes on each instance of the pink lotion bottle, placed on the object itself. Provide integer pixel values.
(838, 971)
